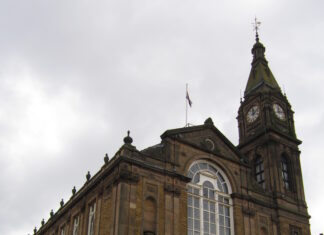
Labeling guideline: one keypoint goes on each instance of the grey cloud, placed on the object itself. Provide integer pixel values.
(117, 65)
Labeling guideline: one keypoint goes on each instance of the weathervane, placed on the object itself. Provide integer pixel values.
(256, 25)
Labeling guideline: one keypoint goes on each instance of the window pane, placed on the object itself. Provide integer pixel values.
(196, 191)
(205, 202)
(206, 227)
(225, 188)
(228, 231)
(190, 221)
(219, 185)
(227, 222)
(287, 185)
(212, 218)
(284, 166)
(212, 169)
(221, 231)
(211, 194)
(194, 168)
(226, 211)
(212, 207)
(206, 216)
(221, 209)
(189, 189)
(221, 220)
(196, 215)
(197, 224)
(196, 202)
(213, 228)
(196, 178)
(205, 192)
(190, 212)
(221, 177)
(203, 166)
(189, 200)
(208, 184)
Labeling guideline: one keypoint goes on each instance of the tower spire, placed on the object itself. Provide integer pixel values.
(260, 75)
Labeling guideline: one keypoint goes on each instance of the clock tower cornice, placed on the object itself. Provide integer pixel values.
(269, 134)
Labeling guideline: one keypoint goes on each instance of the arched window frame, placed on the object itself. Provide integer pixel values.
(208, 208)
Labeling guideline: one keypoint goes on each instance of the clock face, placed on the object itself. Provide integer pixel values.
(253, 113)
(278, 110)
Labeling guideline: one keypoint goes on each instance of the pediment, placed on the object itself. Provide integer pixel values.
(206, 138)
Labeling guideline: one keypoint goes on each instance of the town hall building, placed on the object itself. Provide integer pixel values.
(196, 182)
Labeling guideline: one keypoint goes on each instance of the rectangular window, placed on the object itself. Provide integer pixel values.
(259, 172)
(285, 172)
(62, 231)
(76, 225)
(294, 230)
(193, 212)
(224, 219)
(92, 211)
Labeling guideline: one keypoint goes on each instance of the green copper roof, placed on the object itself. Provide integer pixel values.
(260, 74)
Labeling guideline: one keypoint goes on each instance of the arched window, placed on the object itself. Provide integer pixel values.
(285, 172)
(209, 202)
(259, 171)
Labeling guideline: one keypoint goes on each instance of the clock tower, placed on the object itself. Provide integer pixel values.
(267, 138)
(265, 108)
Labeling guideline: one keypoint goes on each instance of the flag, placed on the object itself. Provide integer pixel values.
(189, 100)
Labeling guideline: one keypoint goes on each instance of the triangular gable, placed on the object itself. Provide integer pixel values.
(206, 138)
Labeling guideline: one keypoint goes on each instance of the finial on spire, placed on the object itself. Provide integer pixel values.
(256, 25)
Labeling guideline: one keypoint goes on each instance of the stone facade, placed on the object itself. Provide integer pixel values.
(146, 192)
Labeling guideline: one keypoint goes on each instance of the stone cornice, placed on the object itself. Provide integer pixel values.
(268, 132)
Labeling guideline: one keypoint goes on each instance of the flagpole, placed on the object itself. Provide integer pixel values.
(186, 104)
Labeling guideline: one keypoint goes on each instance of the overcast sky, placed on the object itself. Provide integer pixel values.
(76, 75)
